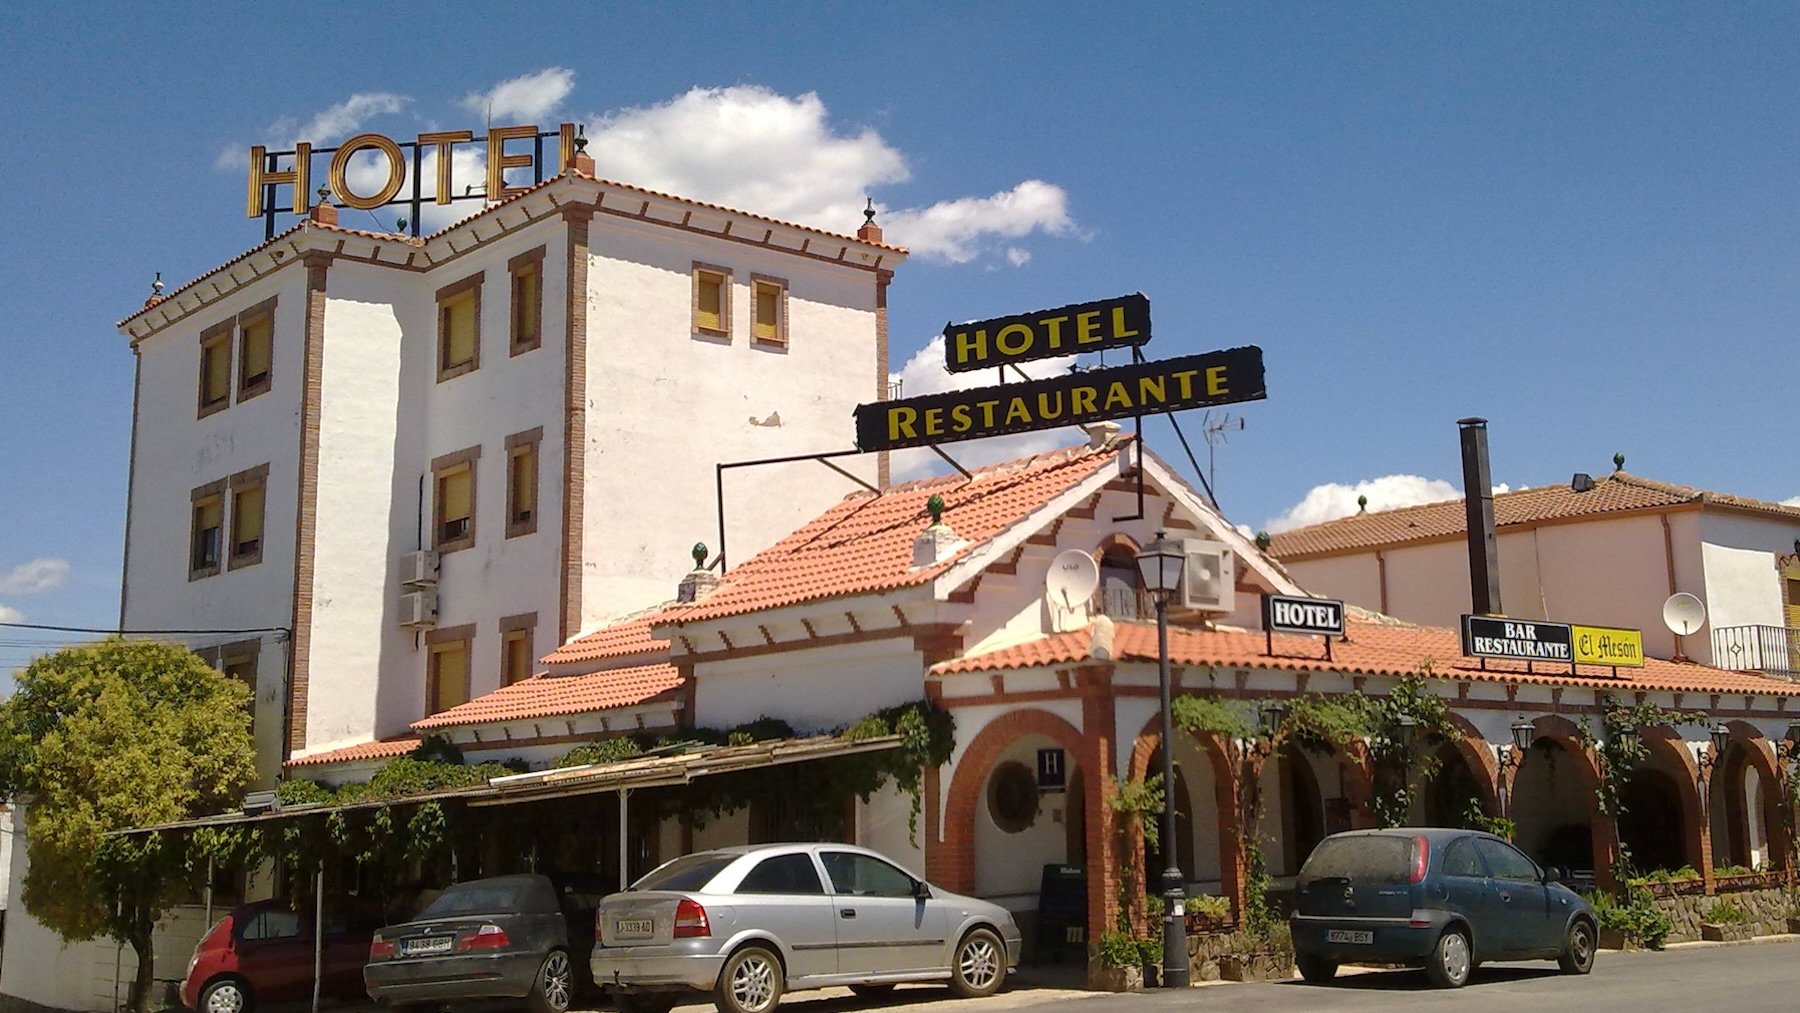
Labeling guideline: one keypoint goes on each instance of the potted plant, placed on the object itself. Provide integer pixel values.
(1631, 921)
(1122, 958)
(1206, 913)
(1260, 956)
(1793, 911)
(1725, 922)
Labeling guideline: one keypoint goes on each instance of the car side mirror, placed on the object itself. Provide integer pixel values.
(922, 890)
(1552, 874)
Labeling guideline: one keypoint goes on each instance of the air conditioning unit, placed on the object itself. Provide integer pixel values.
(1208, 583)
(259, 802)
(418, 609)
(419, 568)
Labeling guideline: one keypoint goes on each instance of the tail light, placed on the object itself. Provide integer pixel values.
(1421, 858)
(488, 937)
(690, 920)
(380, 949)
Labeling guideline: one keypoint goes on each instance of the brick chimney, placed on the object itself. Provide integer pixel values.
(323, 213)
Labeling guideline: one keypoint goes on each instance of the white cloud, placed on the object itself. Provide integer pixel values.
(1793, 501)
(526, 98)
(751, 148)
(1389, 492)
(1018, 257)
(334, 123)
(8, 614)
(34, 577)
(924, 373)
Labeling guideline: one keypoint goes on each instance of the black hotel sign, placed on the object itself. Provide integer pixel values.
(1145, 388)
(1084, 327)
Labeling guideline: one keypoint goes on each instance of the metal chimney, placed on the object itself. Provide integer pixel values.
(1478, 502)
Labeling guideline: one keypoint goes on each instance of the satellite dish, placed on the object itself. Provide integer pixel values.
(1072, 579)
(1683, 613)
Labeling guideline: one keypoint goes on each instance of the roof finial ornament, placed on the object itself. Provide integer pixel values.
(869, 212)
(935, 507)
(156, 286)
(324, 192)
(581, 138)
(1362, 504)
(1619, 461)
(699, 554)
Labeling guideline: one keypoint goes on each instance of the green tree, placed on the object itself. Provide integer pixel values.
(110, 735)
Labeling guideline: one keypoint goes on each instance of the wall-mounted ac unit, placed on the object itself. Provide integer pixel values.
(1208, 583)
(418, 609)
(419, 567)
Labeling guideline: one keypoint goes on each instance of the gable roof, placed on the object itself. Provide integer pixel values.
(627, 639)
(1372, 648)
(380, 749)
(545, 695)
(1615, 493)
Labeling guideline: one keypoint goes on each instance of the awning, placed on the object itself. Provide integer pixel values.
(651, 771)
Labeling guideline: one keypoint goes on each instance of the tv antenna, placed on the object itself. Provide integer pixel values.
(1215, 429)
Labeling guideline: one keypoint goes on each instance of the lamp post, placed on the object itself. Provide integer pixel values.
(1709, 762)
(1159, 566)
(1512, 756)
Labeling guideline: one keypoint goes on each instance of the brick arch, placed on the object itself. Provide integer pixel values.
(1479, 755)
(1696, 837)
(951, 862)
(1225, 803)
(1762, 755)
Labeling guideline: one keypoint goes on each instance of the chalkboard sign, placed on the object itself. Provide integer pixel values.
(1062, 910)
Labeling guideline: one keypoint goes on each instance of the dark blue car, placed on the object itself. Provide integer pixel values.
(1444, 900)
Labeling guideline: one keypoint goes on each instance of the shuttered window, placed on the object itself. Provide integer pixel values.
(215, 371)
(515, 660)
(208, 535)
(768, 319)
(447, 683)
(453, 500)
(246, 525)
(459, 328)
(256, 350)
(712, 301)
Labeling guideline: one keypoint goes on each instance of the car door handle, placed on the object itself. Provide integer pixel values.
(848, 912)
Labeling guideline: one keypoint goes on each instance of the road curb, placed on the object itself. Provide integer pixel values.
(1707, 944)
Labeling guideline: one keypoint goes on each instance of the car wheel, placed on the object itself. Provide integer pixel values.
(1315, 968)
(871, 991)
(644, 1002)
(750, 982)
(554, 986)
(1577, 956)
(979, 965)
(1450, 961)
(227, 995)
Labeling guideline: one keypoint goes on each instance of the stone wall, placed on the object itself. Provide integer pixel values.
(1207, 952)
(1767, 908)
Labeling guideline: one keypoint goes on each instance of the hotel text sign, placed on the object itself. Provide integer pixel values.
(1145, 388)
(267, 172)
(1084, 327)
(1316, 616)
(1520, 639)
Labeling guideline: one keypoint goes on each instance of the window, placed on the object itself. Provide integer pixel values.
(527, 270)
(522, 482)
(768, 320)
(1460, 860)
(712, 301)
(247, 516)
(1119, 597)
(789, 874)
(215, 369)
(273, 923)
(208, 534)
(256, 349)
(1012, 797)
(459, 328)
(1504, 862)
(238, 661)
(863, 876)
(516, 654)
(453, 522)
(447, 669)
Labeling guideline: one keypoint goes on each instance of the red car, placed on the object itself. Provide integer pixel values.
(263, 952)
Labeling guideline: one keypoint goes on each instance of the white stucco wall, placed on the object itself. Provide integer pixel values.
(813, 690)
(665, 405)
(1743, 586)
(1009, 866)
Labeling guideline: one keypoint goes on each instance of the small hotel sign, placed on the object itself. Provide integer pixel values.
(1084, 327)
(1518, 639)
(1316, 616)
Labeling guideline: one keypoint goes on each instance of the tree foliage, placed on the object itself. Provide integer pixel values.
(106, 736)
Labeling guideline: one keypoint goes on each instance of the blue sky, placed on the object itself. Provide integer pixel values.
(1577, 220)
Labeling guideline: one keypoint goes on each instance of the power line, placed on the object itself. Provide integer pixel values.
(122, 633)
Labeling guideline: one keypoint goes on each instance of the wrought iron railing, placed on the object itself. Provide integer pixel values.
(1774, 650)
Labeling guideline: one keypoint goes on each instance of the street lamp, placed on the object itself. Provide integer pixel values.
(1628, 738)
(1522, 734)
(1273, 714)
(1160, 565)
(1512, 756)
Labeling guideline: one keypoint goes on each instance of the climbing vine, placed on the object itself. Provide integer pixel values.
(1398, 724)
(1137, 803)
(1619, 754)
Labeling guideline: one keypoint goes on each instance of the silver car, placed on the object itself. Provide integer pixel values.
(749, 924)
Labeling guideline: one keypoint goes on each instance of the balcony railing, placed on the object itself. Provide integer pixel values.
(1772, 650)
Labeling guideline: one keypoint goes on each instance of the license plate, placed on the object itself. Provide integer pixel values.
(421, 947)
(1349, 936)
(632, 927)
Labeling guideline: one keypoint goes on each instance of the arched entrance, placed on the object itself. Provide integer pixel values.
(1744, 805)
(1552, 805)
(1294, 812)
(1451, 796)
(1650, 820)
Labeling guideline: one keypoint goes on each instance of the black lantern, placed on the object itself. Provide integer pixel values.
(1628, 738)
(1273, 714)
(1407, 724)
(1721, 737)
(1159, 566)
(1522, 733)
(1793, 733)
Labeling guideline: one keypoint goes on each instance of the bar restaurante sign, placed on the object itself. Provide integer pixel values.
(1145, 388)
(1083, 327)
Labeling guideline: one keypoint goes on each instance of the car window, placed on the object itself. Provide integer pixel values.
(790, 874)
(274, 923)
(689, 872)
(531, 895)
(1362, 858)
(1505, 862)
(864, 876)
(1460, 859)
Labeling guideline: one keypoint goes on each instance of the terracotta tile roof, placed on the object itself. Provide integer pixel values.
(1373, 649)
(1617, 492)
(380, 749)
(545, 695)
(621, 640)
(865, 543)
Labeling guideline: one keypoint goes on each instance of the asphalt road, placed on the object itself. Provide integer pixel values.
(1760, 976)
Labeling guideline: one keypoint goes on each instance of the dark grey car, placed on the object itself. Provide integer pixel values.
(506, 937)
(1444, 900)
